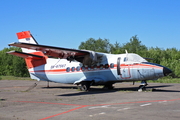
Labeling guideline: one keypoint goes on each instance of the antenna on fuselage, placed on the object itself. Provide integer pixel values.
(126, 51)
(126, 54)
(126, 58)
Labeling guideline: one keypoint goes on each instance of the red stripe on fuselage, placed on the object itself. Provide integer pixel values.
(58, 71)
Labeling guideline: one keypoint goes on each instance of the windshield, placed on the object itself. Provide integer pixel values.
(134, 58)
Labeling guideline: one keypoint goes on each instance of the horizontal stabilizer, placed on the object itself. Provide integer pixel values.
(25, 55)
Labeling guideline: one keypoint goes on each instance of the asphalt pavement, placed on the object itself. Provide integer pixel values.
(32, 100)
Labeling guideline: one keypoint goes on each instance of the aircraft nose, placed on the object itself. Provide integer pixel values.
(166, 71)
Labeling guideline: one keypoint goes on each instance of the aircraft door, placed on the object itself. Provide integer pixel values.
(118, 66)
(124, 70)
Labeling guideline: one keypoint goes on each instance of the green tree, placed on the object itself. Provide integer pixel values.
(98, 45)
(169, 57)
(134, 46)
(11, 65)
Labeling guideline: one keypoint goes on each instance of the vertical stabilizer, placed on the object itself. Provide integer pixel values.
(26, 37)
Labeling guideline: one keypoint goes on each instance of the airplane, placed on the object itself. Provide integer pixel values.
(84, 67)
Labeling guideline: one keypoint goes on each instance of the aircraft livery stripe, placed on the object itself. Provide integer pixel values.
(98, 69)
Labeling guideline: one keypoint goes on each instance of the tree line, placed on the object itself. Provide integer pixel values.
(11, 65)
(169, 57)
(15, 66)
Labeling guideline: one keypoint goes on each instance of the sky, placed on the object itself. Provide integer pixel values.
(67, 23)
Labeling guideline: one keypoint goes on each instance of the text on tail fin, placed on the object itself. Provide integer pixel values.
(26, 37)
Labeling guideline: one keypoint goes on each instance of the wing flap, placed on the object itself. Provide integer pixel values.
(52, 51)
(84, 56)
(25, 55)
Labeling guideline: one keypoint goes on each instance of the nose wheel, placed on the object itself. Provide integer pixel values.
(142, 87)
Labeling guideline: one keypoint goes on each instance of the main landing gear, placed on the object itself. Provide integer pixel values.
(85, 86)
(143, 85)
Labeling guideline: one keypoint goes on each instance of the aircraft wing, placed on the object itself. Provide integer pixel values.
(59, 52)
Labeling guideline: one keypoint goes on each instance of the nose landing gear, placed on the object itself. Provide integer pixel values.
(143, 85)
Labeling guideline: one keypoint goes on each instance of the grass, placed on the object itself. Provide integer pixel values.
(165, 80)
(14, 78)
(162, 80)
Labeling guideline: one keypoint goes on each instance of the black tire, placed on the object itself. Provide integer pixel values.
(85, 86)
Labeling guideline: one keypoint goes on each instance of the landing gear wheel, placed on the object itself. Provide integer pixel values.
(142, 87)
(85, 86)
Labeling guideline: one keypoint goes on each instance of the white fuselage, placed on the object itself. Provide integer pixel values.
(112, 68)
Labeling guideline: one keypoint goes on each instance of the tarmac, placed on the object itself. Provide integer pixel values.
(32, 100)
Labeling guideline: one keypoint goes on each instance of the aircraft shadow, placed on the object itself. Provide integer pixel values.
(92, 91)
(156, 88)
(128, 89)
(61, 87)
(159, 90)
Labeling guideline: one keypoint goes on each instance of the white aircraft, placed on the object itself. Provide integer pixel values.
(84, 67)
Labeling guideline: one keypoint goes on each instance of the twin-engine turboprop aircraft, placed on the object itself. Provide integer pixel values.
(83, 66)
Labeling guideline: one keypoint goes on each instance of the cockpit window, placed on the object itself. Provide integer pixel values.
(134, 58)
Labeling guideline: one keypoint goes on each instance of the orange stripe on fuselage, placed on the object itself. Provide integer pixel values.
(57, 71)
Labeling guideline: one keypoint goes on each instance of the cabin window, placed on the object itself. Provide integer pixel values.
(95, 67)
(101, 66)
(78, 68)
(73, 69)
(112, 65)
(89, 68)
(125, 59)
(82, 68)
(67, 69)
(106, 66)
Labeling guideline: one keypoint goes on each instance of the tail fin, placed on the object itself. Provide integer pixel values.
(33, 58)
(26, 37)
